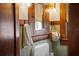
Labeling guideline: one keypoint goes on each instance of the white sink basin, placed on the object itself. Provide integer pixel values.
(55, 36)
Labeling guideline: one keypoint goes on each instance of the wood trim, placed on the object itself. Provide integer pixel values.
(40, 32)
(55, 22)
(63, 21)
(16, 13)
(64, 42)
(40, 37)
(22, 22)
(14, 16)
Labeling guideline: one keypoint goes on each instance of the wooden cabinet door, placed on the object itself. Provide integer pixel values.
(73, 29)
(7, 40)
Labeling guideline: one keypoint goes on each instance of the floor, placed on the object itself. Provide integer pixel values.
(63, 50)
(59, 50)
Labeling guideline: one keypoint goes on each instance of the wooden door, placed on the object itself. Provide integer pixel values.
(7, 30)
(73, 29)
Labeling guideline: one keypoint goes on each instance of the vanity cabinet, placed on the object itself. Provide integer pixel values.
(9, 30)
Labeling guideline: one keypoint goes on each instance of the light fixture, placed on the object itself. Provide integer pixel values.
(54, 10)
(51, 7)
(48, 10)
(28, 4)
(54, 7)
(23, 11)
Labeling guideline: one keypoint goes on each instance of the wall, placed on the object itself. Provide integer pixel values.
(63, 20)
(54, 16)
(23, 11)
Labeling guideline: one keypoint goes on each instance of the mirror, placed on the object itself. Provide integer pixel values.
(54, 13)
(38, 16)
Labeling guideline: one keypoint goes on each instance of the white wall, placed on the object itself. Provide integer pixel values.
(23, 11)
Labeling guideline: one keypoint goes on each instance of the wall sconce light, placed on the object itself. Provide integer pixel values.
(23, 10)
(48, 10)
(28, 4)
(51, 7)
(54, 9)
(54, 12)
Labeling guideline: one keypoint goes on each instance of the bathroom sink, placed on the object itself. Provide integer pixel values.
(55, 36)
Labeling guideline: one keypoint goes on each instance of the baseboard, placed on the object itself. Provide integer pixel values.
(64, 42)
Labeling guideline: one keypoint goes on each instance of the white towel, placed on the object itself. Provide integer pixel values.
(28, 35)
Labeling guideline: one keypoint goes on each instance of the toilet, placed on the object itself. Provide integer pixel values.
(39, 48)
